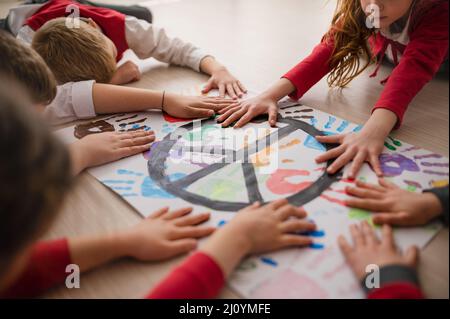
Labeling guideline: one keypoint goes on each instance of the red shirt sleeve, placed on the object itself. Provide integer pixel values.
(311, 70)
(397, 291)
(46, 268)
(422, 58)
(199, 277)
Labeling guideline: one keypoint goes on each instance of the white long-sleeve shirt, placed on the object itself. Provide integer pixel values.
(74, 100)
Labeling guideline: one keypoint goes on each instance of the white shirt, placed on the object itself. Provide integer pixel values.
(74, 100)
(402, 37)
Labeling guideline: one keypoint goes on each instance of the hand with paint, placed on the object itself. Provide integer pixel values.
(368, 249)
(193, 106)
(101, 148)
(221, 79)
(258, 229)
(393, 205)
(360, 147)
(265, 103)
(161, 236)
(126, 73)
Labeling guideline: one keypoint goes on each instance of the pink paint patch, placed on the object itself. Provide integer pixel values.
(289, 285)
(278, 184)
(172, 119)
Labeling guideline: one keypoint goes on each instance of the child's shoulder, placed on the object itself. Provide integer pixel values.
(435, 11)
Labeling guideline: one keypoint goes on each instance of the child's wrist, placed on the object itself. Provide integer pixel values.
(432, 204)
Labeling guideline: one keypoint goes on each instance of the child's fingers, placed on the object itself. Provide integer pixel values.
(277, 204)
(132, 150)
(387, 238)
(159, 213)
(191, 220)
(373, 205)
(386, 184)
(222, 90)
(329, 139)
(369, 234)
(230, 112)
(273, 115)
(297, 226)
(341, 161)
(394, 219)
(288, 240)
(208, 87)
(285, 212)
(181, 246)
(245, 119)
(230, 91)
(199, 113)
(129, 135)
(233, 118)
(137, 141)
(373, 187)
(375, 164)
(231, 106)
(357, 163)
(335, 152)
(364, 193)
(178, 213)
(238, 91)
(345, 247)
(412, 256)
(193, 232)
(243, 88)
(357, 235)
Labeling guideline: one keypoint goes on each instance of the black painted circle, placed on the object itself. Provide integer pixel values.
(160, 153)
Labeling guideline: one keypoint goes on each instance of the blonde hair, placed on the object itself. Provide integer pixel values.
(74, 54)
(22, 63)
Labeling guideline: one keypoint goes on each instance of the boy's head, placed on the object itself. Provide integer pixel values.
(20, 62)
(76, 53)
(35, 174)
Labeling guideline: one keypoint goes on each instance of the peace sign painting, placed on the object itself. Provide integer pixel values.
(200, 164)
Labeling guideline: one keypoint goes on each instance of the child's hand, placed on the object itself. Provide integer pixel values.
(364, 146)
(273, 226)
(257, 229)
(126, 73)
(102, 148)
(165, 234)
(394, 205)
(193, 106)
(369, 250)
(226, 83)
(243, 112)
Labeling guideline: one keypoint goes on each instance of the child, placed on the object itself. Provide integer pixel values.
(257, 230)
(22, 63)
(83, 59)
(413, 34)
(395, 206)
(35, 174)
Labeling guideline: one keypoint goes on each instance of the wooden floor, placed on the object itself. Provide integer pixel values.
(258, 40)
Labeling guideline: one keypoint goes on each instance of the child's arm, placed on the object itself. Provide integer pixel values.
(295, 83)
(116, 99)
(395, 206)
(161, 236)
(398, 279)
(422, 58)
(147, 40)
(254, 230)
(102, 148)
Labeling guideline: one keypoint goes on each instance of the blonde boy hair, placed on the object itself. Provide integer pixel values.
(75, 54)
(22, 63)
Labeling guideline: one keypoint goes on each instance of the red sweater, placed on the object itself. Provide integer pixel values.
(199, 277)
(111, 22)
(421, 59)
